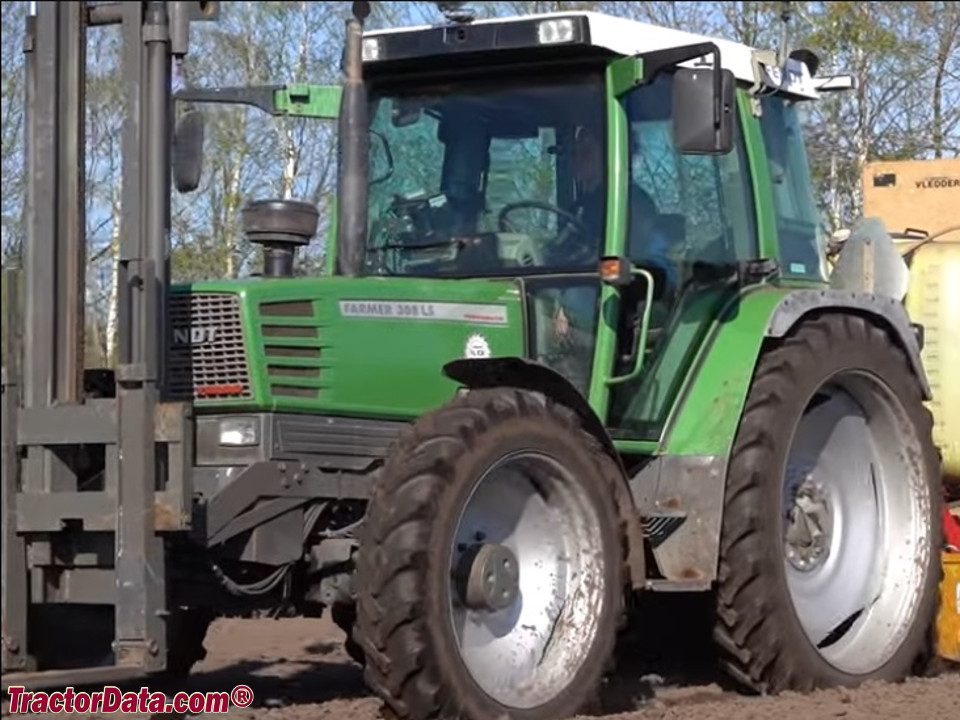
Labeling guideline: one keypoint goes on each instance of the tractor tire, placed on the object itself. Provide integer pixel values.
(344, 616)
(490, 592)
(829, 555)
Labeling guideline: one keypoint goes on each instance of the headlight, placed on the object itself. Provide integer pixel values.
(371, 49)
(240, 431)
(559, 30)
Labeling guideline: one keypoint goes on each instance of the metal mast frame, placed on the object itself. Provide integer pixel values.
(60, 542)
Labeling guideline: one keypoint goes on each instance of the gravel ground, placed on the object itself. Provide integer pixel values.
(298, 671)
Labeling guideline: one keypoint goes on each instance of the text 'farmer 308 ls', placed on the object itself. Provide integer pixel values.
(575, 341)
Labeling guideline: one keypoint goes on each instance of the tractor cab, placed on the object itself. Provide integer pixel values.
(595, 161)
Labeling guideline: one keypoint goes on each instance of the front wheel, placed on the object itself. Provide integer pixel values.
(491, 569)
(829, 561)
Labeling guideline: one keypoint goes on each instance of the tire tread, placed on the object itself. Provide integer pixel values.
(750, 645)
(392, 556)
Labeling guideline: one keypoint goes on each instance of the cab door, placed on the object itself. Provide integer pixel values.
(688, 219)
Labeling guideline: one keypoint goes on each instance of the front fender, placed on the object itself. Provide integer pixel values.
(476, 373)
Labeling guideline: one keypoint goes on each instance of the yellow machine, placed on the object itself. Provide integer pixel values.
(919, 202)
(948, 621)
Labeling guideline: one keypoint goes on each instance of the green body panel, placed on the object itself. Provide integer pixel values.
(652, 396)
(311, 101)
(759, 175)
(366, 366)
(707, 414)
(623, 75)
(616, 227)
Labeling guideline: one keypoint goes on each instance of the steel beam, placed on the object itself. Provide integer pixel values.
(56, 242)
(155, 146)
(40, 252)
(140, 637)
(104, 14)
(95, 511)
(13, 552)
(56, 237)
(70, 210)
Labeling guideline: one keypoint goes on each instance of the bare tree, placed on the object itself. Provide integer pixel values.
(11, 128)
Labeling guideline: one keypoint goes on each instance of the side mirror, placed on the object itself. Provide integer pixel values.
(703, 111)
(187, 151)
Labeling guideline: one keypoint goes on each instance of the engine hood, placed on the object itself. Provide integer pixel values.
(370, 347)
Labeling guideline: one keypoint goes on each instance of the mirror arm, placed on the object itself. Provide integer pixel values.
(262, 97)
(657, 61)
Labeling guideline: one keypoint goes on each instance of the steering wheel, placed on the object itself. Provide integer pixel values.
(537, 205)
(559, 244)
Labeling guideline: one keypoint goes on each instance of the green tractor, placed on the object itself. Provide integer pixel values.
(618, 366)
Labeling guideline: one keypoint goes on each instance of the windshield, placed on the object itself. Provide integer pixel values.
(487, 178)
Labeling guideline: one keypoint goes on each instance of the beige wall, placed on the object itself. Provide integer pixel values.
(919, 194)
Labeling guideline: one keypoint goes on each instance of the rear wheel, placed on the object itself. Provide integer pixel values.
(344, 616)
(829, 550)
(491, 569)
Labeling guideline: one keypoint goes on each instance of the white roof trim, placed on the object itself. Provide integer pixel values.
(624, 36)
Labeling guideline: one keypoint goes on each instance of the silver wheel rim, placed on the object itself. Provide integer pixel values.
(856, 519)
(529, 508)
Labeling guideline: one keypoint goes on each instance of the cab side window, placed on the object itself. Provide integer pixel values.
(684, 208)
(798, 222)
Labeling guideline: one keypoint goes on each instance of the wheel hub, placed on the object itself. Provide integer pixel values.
(809, 525)
(490, 577)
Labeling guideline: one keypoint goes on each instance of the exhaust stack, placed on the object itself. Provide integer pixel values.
(354, 151)
(280, 226)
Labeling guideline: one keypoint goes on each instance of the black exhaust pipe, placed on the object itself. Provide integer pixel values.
(280, 227)
(354, 141)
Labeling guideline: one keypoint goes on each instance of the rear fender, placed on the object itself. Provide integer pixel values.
(699, 435)
(707, 413)
(888, 313)
(516, 372)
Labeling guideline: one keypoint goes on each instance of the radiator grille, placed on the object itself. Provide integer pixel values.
(292, 348)
(207, 355)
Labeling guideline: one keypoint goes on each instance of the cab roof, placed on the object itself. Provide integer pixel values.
(616, 35)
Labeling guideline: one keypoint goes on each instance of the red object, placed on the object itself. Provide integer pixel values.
(951, 526)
